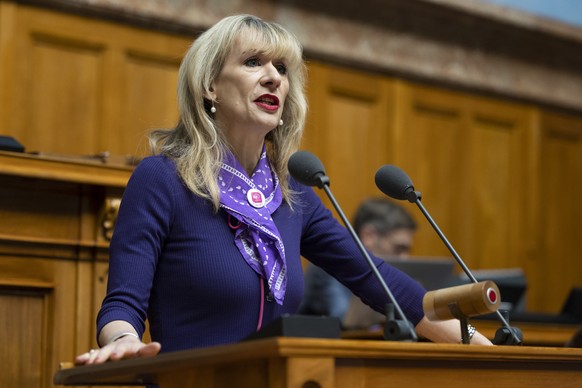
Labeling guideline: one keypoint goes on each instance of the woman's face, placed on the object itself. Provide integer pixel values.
(250, 90)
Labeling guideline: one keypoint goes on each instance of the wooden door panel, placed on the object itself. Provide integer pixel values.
(23, 335)
(499, 177)
(432, 149)
(348, 129)
(148, 102)
(39, 307)
(62, 109)
(559, 266)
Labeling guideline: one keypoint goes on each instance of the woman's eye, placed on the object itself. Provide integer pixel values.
(281, 68)
(252, 62)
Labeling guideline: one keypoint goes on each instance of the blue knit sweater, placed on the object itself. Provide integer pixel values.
(173, 260)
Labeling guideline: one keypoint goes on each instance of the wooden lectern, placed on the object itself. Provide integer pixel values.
(310, 363)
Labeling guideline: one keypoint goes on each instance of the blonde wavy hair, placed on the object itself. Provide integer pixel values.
(196, 143)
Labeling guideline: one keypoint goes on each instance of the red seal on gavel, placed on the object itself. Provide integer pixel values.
(468, 300)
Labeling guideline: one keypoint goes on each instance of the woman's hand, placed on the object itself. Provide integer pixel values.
(125, 347)
(448, 331)
(480, 339)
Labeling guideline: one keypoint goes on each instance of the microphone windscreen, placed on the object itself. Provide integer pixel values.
(468, 300)
(393, 182)
(305, 167)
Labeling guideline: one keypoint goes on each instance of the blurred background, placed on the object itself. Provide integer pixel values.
(480, 102)
(566, 11)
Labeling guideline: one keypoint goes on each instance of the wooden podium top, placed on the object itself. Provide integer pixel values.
(534, 334)
(75, 169)
(284, 362)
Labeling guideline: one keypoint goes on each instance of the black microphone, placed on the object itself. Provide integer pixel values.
(308, 169)
(395, 183)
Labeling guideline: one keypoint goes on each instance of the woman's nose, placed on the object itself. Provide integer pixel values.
(272, 75)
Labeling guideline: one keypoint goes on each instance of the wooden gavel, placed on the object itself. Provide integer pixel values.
(468, 300)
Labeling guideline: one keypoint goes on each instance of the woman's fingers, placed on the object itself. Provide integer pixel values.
(150, 349)
(117, 351)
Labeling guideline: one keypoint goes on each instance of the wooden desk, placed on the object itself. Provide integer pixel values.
(534, 334)
(53, 260)
(301, 363)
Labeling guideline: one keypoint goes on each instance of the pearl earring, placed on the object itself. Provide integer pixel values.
(213, 108)
(280, 122)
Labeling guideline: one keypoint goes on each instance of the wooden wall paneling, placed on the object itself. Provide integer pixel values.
(143, 81)
(560, 267)
(38, 211)
(84, 335)
(499, 181)
(85, 86)
(11, 61)
(432, 149)
(533, 260)
(50, 239)
(37, 300)
(58, 87)
(7, 63)
(91, 209)
(64, 314)
(314, 133)
(146, 78)
(38, 239)
(352, 131)
(470, 158)
(64, 115)
(23, 332)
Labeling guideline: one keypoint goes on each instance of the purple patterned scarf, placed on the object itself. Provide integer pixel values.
(252, 201)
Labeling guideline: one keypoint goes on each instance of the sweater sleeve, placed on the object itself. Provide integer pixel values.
(144, 221)
(330, 246)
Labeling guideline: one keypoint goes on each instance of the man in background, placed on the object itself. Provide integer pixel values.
(386, 230)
